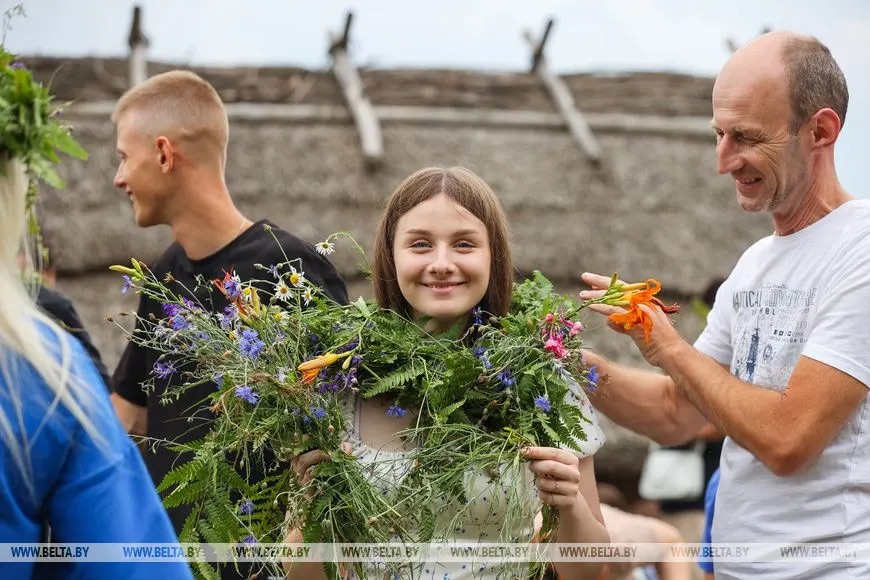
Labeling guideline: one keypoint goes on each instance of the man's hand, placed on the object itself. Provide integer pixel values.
(662, 338)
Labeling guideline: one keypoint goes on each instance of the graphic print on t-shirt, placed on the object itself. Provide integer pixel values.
(770, 328)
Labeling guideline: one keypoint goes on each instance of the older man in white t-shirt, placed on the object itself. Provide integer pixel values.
(783, 365)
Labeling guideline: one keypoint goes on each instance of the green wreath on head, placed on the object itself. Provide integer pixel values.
(31, 131)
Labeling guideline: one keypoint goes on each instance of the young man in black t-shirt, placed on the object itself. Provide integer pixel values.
(172, 134)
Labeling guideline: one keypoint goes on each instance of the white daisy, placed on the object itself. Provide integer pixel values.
(296, 278)
(324, 248)
(307, 296)
(283, 291)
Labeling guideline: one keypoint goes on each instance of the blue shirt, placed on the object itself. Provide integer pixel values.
(709, 508)
(84, 491)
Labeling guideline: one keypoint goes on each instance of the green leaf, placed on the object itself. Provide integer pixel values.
(361, 305)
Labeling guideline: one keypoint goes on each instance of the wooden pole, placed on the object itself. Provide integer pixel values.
(364, 116)
(562, 98)
(138, 50)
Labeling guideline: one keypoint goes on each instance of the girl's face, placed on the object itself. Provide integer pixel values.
(442, 257)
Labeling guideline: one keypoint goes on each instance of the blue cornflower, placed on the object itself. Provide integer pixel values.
(315, 412)
(480, 353)
(18, 65)
(246, 508)
(218, 380)
(178, 322)
(355, 360)
(163, 370)
(281, 375)
(592, 376)
(477, 316)
(248, 394)
(128, 283)
(274, 271)
(250, 344)
(396, 411)
(313, 338)
(506, 378)
(249, 540)
(543, 403)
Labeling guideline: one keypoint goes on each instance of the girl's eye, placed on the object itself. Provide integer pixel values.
(420, 244)
(464, 245)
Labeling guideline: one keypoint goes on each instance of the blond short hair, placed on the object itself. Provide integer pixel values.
(180, 104)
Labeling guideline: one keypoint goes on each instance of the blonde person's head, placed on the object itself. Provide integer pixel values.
(23, 341)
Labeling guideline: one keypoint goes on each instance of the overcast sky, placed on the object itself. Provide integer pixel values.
(589, 35)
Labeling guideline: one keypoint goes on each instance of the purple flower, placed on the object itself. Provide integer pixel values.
(229, 317)
(249, 540)
(128, 283)
(231, 285)
(396, 411)
(274, 271)
(506, 378)
(218, 380)
(349, 346)
(248, 394)
(543, 403)
(163, 370)
(188, 303)
(246, 508)
(18, 65)
(171, 310)
(477, 316)
(355, 360)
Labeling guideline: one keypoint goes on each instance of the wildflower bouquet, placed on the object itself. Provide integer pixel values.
(287, 362)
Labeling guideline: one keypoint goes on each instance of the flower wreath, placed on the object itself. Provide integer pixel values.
(284, 358)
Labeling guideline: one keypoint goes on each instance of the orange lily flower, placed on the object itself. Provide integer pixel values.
(635, 316)
(310, 369)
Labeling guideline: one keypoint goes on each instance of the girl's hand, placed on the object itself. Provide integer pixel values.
(557, 475)
(304, 465)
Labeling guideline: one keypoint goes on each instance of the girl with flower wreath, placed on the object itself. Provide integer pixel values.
(440, 253)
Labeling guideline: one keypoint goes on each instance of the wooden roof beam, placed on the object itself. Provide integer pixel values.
(138, 43)
(562, 98)
(366, 120)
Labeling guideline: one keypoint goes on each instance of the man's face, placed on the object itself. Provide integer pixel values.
(139, 172)
(751, 117)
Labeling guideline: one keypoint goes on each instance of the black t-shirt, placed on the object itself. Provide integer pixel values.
(188, 419)
(61, 308)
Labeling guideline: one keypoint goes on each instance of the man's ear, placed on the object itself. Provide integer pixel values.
(165, 154)
(825, 128)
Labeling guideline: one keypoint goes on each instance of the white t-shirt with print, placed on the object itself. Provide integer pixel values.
(805, 294)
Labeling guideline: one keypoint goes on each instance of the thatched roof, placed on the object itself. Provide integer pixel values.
(666, 94)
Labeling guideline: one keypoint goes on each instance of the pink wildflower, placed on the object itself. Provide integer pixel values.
(554, 345)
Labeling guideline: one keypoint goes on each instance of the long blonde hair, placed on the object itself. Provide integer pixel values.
(27, 336)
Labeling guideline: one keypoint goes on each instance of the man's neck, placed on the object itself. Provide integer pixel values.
(821, 198)
(208, 221)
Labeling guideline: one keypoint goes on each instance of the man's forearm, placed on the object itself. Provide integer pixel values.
(645, 402)
(750, 415)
